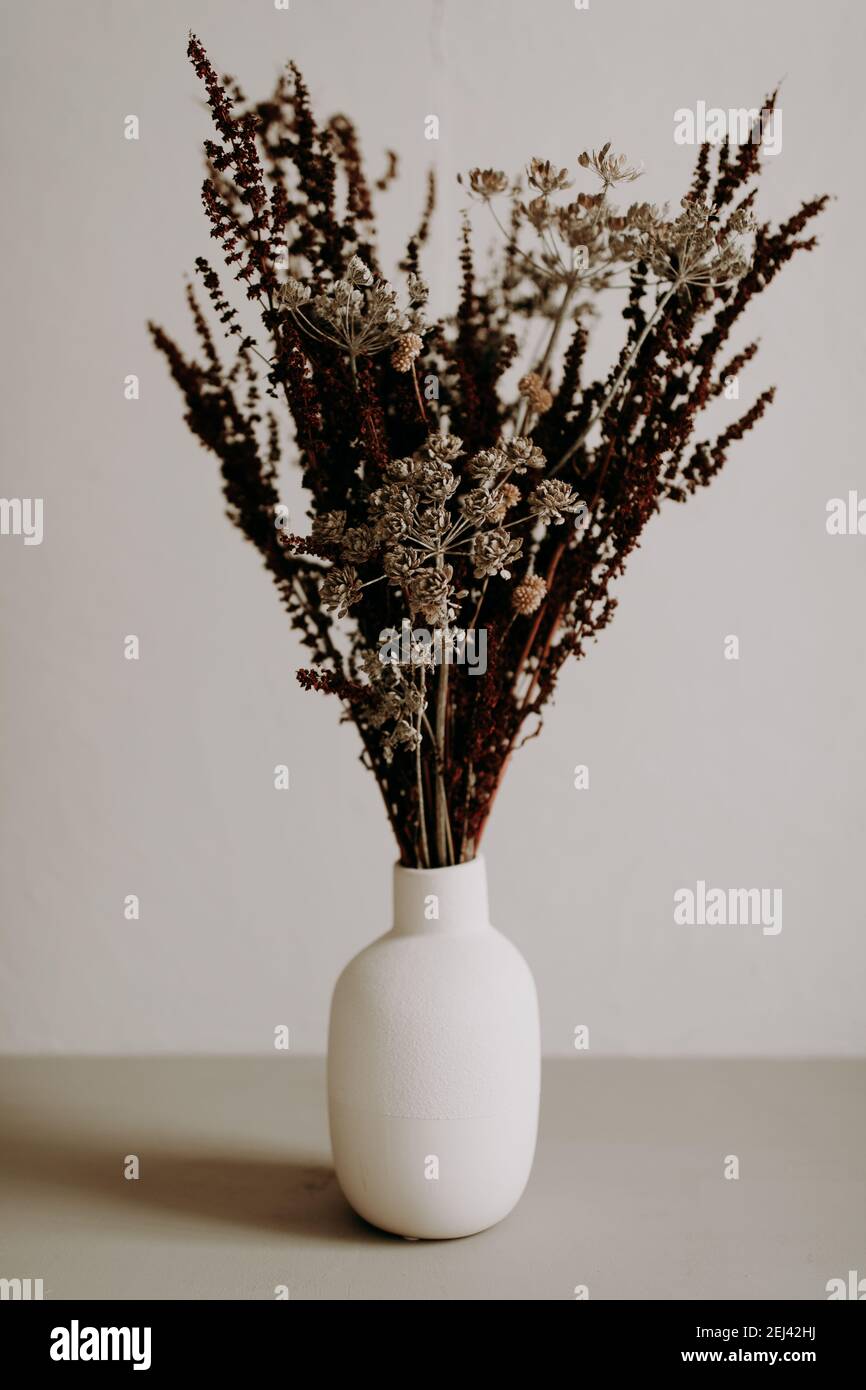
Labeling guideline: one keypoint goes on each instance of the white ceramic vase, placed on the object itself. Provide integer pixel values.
(434, 1063)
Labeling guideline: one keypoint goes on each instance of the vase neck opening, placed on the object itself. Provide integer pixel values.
(434, 901)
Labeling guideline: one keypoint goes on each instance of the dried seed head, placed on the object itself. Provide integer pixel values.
(510, 495)
(341, 589)
(406, 349)
(552, 499)
(610, 168)
(328, 527)
(486, 183)
(546, 177)
(507, 496)
(528, 594)
(533, 388)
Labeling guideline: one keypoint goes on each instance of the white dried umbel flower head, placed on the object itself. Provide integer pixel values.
(533, 388)
(434, 480)
(341, 589)
(293, 295)
(528, 594)
(546, 177)
(400, 470)
(507, 496)
(551, 499)
(405, 350)
(419, 291)
(392, 526)
(357, 273)
(446, 447)
(523, 454)
(328, 527)
(391, 496)
(480, 506)
(358, 544)
(427, 593)
(538, 212)
(691, 251)
(486, 183)
(492, 552)
(486, 465)
(610, 168)
(400, 562)
(358, 313)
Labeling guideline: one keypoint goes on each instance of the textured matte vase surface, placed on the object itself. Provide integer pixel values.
(434, 1063)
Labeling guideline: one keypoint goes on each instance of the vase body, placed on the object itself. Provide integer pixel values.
(434, 1063)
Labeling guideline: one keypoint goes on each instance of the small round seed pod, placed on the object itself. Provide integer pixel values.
(528, 594)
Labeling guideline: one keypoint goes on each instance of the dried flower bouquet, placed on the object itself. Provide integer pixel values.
(450, 512)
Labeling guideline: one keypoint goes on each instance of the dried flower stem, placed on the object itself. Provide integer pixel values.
(543, 365)
(527, 648)
(618, 381)
(443, 829)
(439, 770)
(421, 409)
(422, 816)
(477, 613)
(533, 632)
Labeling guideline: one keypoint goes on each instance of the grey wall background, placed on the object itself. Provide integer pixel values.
(156, 777)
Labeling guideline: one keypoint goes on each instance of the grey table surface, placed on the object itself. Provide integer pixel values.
(236, 1195)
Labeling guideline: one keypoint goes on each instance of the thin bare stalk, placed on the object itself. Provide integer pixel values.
(422, 815)
(470, 786)
(620, 377)
(418, 394)
(439, 769)
(442, 829)
(477, 612)
(548, 352)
